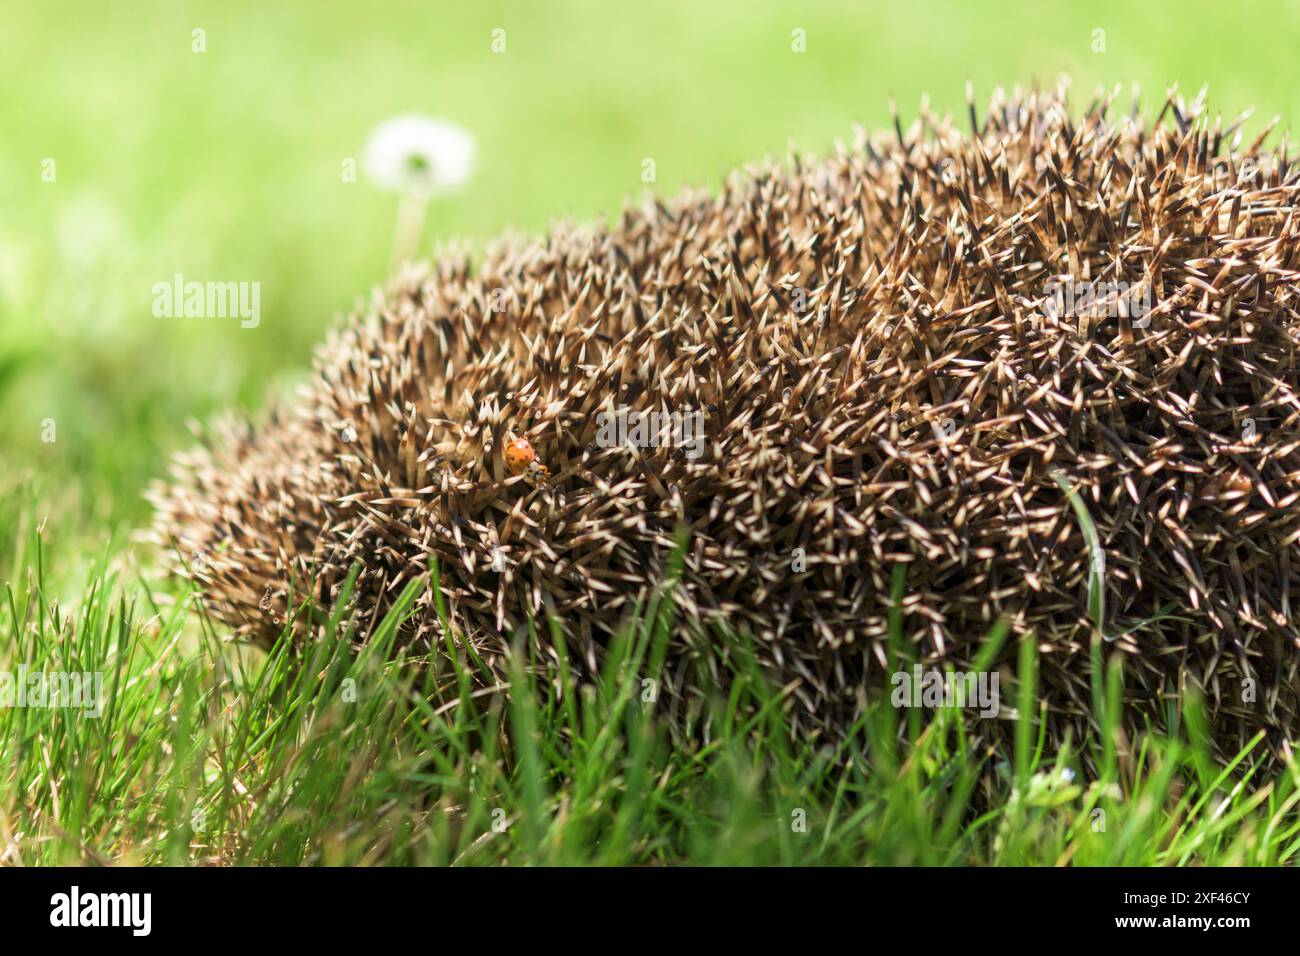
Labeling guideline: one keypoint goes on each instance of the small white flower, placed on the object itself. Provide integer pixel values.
(419, 156)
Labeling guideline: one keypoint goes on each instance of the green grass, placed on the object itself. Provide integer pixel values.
(204, 755)
(225, 165)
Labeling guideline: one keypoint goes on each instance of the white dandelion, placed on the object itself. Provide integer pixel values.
(419, 158)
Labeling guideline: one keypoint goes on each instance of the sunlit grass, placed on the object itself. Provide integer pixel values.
(207, 756)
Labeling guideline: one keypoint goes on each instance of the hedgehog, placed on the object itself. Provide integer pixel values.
(926, 352)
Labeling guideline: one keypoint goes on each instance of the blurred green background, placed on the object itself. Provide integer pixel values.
(226, 164)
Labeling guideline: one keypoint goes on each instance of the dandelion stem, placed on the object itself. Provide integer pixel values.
(410, 227)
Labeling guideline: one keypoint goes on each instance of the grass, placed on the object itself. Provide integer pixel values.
(204, 755)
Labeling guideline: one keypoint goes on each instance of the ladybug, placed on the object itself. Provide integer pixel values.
(520, 456)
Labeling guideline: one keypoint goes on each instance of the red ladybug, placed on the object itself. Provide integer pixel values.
(519, 455)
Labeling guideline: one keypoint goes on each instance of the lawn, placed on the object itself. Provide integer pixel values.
(137, 149)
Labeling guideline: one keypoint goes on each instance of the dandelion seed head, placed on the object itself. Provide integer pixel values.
(419, 156)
